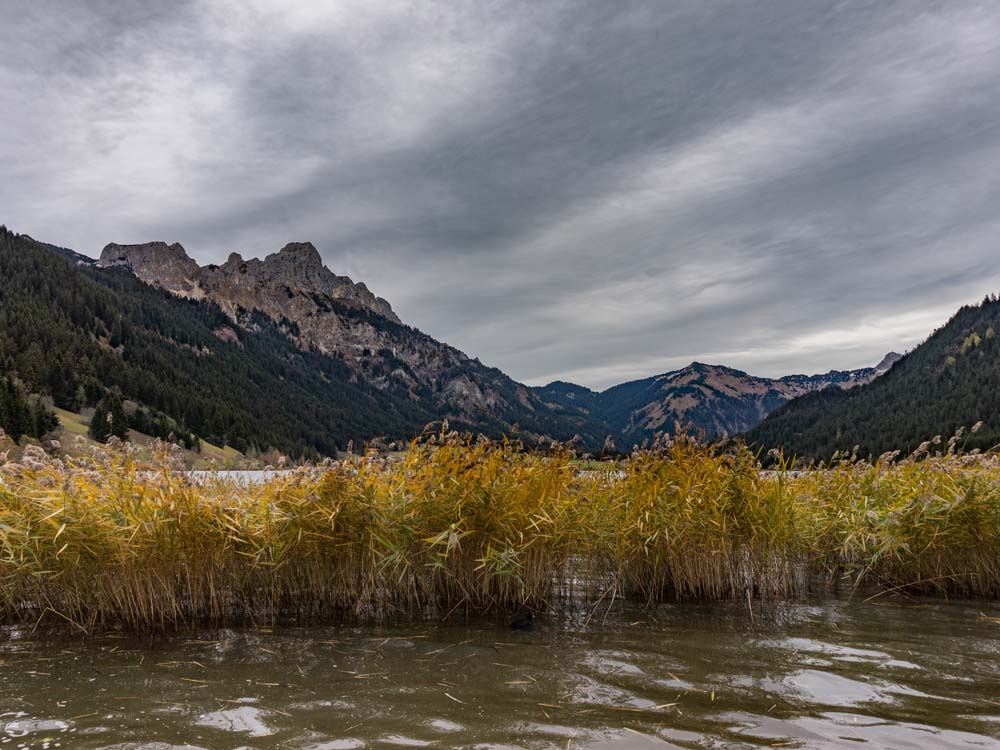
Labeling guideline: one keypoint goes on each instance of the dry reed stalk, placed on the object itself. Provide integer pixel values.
(471, 525)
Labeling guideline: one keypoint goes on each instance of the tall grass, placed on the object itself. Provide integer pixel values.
(458, 524)
(931, 525)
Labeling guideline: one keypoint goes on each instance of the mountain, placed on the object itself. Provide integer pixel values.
(188, 346)
(281, 352)
(331, 314)
(952, 380)
(718, 400)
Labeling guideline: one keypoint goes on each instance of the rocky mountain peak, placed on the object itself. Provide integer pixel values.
(267, 285)
(299, 252)
(149, 252)
(888, 361)
(170, 265)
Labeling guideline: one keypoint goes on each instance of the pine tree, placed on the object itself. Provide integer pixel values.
(118, 422)
(22, 414)
(43, 421)
(99, 429)
(80, 398)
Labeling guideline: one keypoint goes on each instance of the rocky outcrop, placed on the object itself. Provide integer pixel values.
(262, 284)
(157, 263)
(888, 361)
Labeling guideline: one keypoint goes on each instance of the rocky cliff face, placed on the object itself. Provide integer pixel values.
(319, 309)
(270, 285)
(888, 361)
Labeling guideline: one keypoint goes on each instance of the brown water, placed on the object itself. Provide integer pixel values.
(833, 674)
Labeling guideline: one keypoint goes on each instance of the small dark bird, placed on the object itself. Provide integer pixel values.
(523, 622)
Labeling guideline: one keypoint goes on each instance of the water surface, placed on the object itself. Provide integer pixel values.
(833, 674)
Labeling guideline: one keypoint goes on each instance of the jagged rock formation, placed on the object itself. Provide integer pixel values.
(718, 400)
(270, 285)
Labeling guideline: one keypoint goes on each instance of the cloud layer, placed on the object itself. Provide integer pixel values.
(588, 191)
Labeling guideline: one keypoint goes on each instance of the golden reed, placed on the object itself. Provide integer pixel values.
(472, 525)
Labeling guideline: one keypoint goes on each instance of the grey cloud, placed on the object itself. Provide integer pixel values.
(586, 190)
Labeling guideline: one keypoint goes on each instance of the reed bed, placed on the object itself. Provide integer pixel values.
(471, 525)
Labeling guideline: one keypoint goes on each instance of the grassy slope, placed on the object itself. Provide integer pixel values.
(75, 442)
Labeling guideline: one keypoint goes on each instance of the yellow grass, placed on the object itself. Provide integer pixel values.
(460, 525)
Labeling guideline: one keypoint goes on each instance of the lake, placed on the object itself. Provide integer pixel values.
(237, 476)
(826, 674)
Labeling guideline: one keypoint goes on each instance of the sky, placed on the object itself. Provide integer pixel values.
(587, 190)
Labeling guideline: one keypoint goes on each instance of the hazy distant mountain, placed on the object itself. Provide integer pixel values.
(718, 400)
(952, 380)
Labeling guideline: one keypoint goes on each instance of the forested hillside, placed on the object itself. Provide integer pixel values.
(952, 380)
(72, 331)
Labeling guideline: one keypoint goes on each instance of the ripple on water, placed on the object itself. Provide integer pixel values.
(613, 662)
(443, 725)
(244, 719)
(826, 688)
(841, 652)
(831, 730)
(26, 726)
(348, 743)
(587, 690)
(403, 741)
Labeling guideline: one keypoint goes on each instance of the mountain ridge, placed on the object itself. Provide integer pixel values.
(718, 400)
(320, 309)
(406, 372)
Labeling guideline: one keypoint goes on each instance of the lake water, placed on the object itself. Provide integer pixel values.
(241, 476)
(833, 674)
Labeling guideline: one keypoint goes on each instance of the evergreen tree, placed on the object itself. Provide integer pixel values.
(13, 410)
(22, 414)
(80, 398)
(43, 420)
(99, 429)
(117, 421)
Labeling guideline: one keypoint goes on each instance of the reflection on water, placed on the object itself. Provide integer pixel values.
(829, 675)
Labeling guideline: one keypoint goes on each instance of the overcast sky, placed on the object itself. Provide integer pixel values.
(589, 191)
